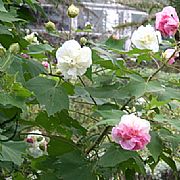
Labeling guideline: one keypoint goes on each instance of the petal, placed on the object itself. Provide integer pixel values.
(127, 144)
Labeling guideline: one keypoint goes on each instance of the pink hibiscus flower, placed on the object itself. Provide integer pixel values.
(132, 133)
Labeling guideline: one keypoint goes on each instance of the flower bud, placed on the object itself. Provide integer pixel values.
(72, 11)
(31, 38)
(151, 114)
(25, 56)
(45, 64)
(14, 48)
(171, 55)
(30, 140)
(50, 26)
(115, 37)
(83, 41)
(2, 50)
(88, 25)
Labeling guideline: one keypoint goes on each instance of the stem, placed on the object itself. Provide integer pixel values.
(98, 71)
(174, 68)
(151, 76)
(8, 121)
(128, 101)
(58, 82)
(70, 29)
(50, 68)
(54, 75)
(13, 135)
(45, 135)
(155, 61)
(84, 115)
(89, 94)
(161, 67)
(81, 102)
(98, 140)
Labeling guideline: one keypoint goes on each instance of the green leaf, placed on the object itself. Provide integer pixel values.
(2, 8)
(48, 93)
(155, 103)
(115, 43)
(48, 176)
(130, 174)
(4, 30)
(137, 87)
(88, 73)
(73, 165)
(169, 93)
(60, 145)
(6, 61)
(38, 49)
(60, 123)
(25, 69)
(104, 62)
(111, 114)
(108, 91)
(7, 99)
(8, 17)
(112, 117)
(169, 161)
(144, 57)
(154, 87)
(68, 87)
(138, 51)
(155, 146)
(8, 112)
(20, 91)
(110, 122)
(13, 151)
(19, 176)
(116, 155)
(175, 123)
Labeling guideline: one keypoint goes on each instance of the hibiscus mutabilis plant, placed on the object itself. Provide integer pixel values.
(128, 125)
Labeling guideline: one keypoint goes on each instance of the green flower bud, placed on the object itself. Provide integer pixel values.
(88, 26)
(31, 38)
(2, 50)
(151, 114)
(50, 26)
(39, 138)
(14, 48)
(83, 41)
(72, 11)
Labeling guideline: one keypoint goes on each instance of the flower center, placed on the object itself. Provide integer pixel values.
(147, 39)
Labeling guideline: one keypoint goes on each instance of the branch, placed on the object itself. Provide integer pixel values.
(128, 101)
(8, 121)
(136, 24)
(14, 133)
(89, 94)
(84, 115)
(45, 135)
(98, 140)
(82, 102)
(161, 67)
(54, 75)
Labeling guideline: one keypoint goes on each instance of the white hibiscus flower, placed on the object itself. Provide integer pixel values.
(37, 144)
(145, 37)
(73, 60)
